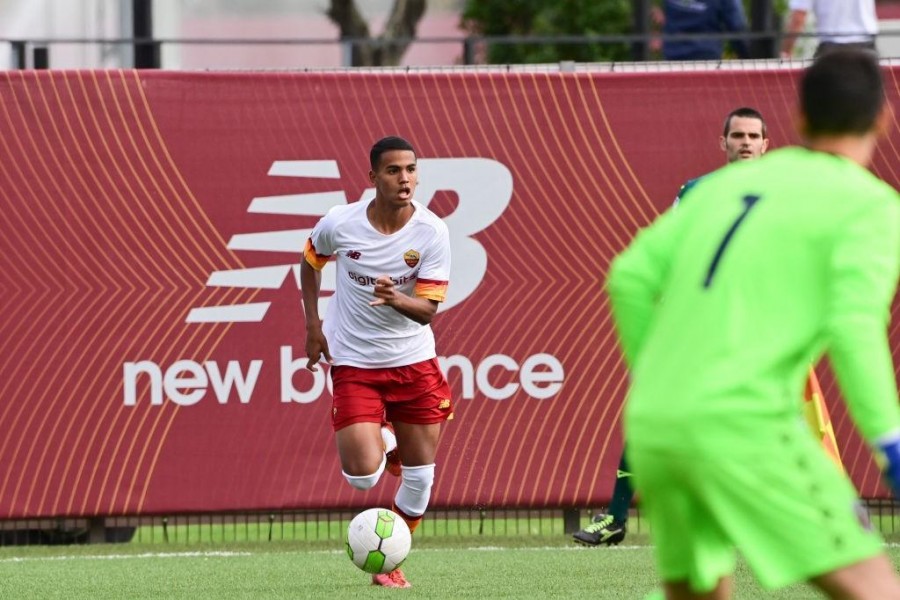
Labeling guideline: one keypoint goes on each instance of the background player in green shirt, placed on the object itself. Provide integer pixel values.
(744, 137)
(805, 262)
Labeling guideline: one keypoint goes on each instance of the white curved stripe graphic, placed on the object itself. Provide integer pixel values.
(289, 240)
(270, 278)
(239, 313)
(305, 168)
(298, 204)
(483, 188)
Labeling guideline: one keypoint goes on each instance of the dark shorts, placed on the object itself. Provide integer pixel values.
(416, 393)
(826, 47)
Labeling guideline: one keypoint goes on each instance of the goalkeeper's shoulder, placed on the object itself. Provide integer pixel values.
(685, 188)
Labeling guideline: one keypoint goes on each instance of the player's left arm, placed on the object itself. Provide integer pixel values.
(636, 279)
(864, 272)
(431, 283)
(420, 310)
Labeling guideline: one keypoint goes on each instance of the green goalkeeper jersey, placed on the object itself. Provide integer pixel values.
(722, 304)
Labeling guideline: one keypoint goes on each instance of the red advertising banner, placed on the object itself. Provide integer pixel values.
(152, 224)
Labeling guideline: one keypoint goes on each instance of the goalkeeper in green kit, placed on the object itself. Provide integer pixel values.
(721, 306)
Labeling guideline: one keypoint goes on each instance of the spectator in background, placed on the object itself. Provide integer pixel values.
(839, 24)
(703, 17)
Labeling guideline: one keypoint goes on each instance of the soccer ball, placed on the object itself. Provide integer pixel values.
(378, 540)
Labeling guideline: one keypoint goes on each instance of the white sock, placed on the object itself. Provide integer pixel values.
(366, 482)
(389, 439)
(415, 489)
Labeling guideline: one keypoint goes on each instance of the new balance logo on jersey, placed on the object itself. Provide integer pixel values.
(354, 254)
(483, 188)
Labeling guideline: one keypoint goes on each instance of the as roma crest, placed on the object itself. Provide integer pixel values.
(411, 258)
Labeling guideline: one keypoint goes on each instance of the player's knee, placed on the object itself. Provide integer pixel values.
(415, 489)
(365, 482)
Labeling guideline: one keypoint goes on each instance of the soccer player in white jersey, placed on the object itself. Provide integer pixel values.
(393, 267)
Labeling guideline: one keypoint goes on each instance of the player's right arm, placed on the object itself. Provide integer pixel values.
(316, 344)
(796, 23)
(315, 255)
(636, 279)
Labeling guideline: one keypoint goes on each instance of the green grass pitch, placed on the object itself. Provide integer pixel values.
(458, 568)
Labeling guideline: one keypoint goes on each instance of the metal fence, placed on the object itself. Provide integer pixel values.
(149, 52)
(474, 525)
(330, 525)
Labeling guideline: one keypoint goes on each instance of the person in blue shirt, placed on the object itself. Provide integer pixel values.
(703, 17)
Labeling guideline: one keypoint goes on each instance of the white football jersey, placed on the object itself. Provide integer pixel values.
(842, 21)
(417, 258)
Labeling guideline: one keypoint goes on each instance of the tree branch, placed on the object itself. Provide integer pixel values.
(402, 23)
(385, 49)
(345, 15)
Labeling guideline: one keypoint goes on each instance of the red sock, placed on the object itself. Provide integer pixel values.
(411, 522)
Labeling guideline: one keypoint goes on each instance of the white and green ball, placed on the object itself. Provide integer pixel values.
(378, 540)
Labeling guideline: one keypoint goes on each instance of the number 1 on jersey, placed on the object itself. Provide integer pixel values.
(749, 202)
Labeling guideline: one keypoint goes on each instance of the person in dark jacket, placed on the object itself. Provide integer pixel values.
(703, 17)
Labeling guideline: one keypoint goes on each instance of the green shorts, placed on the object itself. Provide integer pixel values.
(777, 499)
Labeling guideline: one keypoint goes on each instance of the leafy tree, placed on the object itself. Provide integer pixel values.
(557, 18)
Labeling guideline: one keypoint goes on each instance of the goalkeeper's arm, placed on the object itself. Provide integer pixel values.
(863, 279)
(887, 455)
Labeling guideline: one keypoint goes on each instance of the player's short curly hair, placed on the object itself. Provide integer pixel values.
(842, 92)
(387, 144)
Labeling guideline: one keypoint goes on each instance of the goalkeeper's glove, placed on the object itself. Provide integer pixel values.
(887, 455)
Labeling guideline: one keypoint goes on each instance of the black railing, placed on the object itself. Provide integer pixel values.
(331, 525)
(40, 50)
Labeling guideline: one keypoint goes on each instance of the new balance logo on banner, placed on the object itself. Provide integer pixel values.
(483, 187)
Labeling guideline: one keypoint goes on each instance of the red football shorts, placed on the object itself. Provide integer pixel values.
(416, 393)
